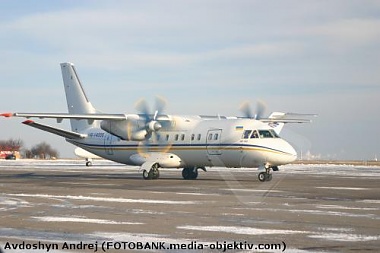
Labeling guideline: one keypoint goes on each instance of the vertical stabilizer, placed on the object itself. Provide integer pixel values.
(77, 101)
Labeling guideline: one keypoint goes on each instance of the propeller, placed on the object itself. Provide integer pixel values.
(245, 108)
(151, 122)
(152, 125)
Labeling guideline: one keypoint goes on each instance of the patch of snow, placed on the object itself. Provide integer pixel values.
(344, 237)
(117, 200)
(241, 230)
(343, 188)
(84, 220)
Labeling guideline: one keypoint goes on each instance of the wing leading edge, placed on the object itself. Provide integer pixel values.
(54, 130)
(99, 116)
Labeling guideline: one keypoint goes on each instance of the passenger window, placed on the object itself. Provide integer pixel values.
(210, 137)
(216, 137)
(199, 137)
(192, 137)
(254, 134)
(247, 134)
(176, 137)
(182, 137)
(167, 137)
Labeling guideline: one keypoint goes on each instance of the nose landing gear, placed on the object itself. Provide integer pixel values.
(153, 173)
(266, 176)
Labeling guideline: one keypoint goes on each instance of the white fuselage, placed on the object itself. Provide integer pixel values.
(196, 141)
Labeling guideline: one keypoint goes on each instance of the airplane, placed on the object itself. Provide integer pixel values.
(154, 140)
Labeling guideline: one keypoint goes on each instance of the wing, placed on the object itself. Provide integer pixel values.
(54, 130)
(90, 116)
(125, 126)
(100, 116)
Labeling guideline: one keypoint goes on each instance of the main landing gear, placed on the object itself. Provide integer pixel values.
(153, 173)
(191, 173)
(188, 173)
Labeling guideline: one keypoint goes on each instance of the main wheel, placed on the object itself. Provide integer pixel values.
(186, 173)
(194, 173)
(146, 175)
(190, 173)
(155, 173)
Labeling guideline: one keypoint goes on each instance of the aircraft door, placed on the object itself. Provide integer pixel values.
(108, 144)
(108, 138)
(213, 142)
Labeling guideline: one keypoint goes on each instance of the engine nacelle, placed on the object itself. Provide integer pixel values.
(138, 135)
(124, 130)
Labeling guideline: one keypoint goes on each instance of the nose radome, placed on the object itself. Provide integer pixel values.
(292, 153)
(292, 150)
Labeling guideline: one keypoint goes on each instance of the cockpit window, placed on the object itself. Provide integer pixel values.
(265, 134)
(246, 134)
(270, 133)
(275, 135)
(254, 134)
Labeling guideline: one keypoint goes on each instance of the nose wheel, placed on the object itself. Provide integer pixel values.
(265, 176)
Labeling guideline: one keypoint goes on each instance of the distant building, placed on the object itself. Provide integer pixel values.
(6, 150)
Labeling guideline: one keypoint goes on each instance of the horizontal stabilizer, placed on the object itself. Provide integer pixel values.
(286, 120)
(53, 130)
(281, 117)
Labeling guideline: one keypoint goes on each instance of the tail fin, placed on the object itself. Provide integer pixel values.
(77, 101)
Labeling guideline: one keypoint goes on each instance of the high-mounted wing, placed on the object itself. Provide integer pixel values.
(135, 127)
(54, 130)
(58, 116)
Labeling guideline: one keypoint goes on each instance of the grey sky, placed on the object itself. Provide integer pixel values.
(204, 57)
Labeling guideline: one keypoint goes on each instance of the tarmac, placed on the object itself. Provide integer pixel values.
(305, 208)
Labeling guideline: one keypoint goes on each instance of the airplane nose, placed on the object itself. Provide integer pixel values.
(290, 154)
(293, 152)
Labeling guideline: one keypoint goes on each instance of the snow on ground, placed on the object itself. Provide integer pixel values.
(108, 199)
(109, 166)
(241, 230)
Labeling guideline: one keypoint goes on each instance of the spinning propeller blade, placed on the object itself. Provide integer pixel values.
(152, 126)
(245, 108)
